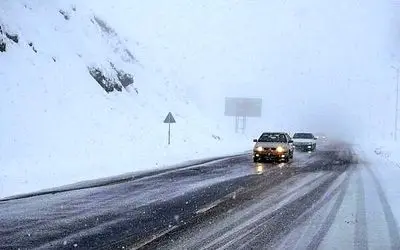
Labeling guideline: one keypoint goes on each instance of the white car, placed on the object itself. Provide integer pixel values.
(304, 142)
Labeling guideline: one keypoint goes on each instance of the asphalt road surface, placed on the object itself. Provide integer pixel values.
(227, 203)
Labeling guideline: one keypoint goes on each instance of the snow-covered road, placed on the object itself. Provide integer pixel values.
(344, 202)
(356, 215)
(334, 198)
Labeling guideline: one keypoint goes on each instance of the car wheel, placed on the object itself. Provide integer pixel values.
(291, 155)
(256, 160)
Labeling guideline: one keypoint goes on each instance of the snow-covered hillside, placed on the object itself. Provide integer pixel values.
(77, 103)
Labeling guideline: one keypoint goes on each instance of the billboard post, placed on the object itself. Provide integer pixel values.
(241, 109)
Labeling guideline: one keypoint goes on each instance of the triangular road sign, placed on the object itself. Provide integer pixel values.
(170, 118)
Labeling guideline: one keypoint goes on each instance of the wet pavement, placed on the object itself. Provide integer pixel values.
(224, 203)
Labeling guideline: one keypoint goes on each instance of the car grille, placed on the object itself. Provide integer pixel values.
(302, 143)
(269, 149)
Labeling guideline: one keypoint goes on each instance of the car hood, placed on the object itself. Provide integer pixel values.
(270, 144)
(303, 140)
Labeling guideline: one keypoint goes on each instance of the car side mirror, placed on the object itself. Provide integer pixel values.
(255, 140)
(316, 138)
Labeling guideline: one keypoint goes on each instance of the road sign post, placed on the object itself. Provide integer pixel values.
(396, 114)
(169, 119)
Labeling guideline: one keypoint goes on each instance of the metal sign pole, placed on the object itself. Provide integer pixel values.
(236, 124)
(169, 133)
(397, 104)
(244, 123)
(169, 119)
(396, 110)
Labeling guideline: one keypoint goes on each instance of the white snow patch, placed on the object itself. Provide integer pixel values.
(58, 126)
(384, 161)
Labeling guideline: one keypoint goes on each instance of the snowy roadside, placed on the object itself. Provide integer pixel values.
(61, 120)
(383, 160)
(34, 176)
(389, 151)
(90, 181)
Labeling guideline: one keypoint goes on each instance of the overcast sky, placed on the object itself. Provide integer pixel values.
(320, 65)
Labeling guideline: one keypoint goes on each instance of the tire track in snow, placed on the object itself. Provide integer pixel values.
(361, 234)
(319, 236)
(310, 230)
(263, 233)
(390, 219)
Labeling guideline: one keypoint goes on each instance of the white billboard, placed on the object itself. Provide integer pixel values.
(243, 107)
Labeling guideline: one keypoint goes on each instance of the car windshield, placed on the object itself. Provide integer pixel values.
(303, 136)
(272, 137)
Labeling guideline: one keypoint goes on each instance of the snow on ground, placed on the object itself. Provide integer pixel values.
(387, 150)
(59, 126)
(383, 159)
(361, 208)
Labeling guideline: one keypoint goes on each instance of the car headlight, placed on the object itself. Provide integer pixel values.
(280, 149)
(259, 149)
